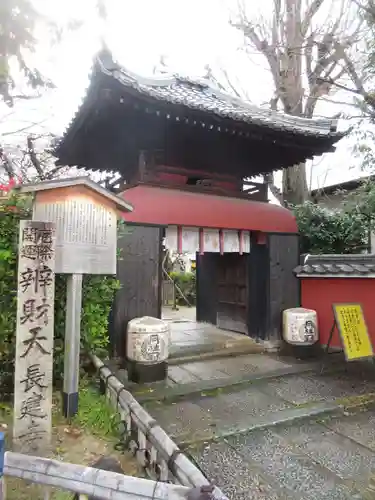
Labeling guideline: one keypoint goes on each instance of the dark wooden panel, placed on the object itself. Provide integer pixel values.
(207, 287)
(232, 293)
(139, 272)
(284, 286)
(258, 278)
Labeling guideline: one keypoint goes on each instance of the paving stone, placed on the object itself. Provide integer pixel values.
(299, 433)
(183, 420)
(342, 456)
(359, 426)
(206, 370)
(264, 363)
(240, 408)
(180, 376)
(252, 363)
(232, 367)
(291, 469)
(302, 389)
(227, 469)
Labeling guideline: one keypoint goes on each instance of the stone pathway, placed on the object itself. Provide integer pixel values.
(210, 374)
(189, 338)
(292, 436)
(186, 373)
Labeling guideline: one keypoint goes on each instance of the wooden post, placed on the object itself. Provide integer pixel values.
(2, 458)
(72, 344)
(34, 338)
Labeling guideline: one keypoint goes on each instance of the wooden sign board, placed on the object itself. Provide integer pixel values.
(34, 338)
(86, 229)
(351, 324)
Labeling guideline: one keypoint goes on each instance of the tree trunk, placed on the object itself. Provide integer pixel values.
(270, 181)
(295, 189)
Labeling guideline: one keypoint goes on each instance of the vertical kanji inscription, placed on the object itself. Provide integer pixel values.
(34, 338)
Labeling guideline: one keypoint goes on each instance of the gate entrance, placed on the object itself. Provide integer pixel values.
(232, 310)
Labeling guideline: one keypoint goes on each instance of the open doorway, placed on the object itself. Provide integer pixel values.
(214, 290)
(213, 279)
(179, 286)
(222, 290)
(232, 300)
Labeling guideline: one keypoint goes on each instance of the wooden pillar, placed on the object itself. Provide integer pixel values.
(206, 283)
(139, 273)
(284, 291)
(258, 296)
(273, 286)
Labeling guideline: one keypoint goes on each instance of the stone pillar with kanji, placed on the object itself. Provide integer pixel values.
(34, 339)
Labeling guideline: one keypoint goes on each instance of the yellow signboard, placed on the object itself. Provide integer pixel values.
(352, 326)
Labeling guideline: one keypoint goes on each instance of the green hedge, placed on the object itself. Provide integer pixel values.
(330, 231)
(98, 293)
(187, 283)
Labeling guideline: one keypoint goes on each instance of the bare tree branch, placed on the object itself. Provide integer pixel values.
(309, 15)
(276, 192)
(6, 163)
(306, 42)
(33, 157)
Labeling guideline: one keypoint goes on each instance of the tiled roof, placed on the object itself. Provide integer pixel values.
(342, 186)
(348, 265)
(199, 95)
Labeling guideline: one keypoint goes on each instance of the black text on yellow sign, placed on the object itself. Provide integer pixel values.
(353, 331)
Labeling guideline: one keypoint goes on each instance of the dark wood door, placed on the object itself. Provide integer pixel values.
(206, 275)
(232, 311)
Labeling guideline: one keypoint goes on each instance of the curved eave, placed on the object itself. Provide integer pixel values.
(101, 77)
(174, 207)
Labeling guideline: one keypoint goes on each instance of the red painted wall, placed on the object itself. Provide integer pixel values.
(321, 293)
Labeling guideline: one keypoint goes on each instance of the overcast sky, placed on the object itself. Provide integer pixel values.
(189, 33)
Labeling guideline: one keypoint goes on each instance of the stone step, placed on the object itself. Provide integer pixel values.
(208, 416)
(307, 460)
(188, 380)
(218, 350)
(306, 388)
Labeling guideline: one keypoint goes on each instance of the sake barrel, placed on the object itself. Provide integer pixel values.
(300, 326)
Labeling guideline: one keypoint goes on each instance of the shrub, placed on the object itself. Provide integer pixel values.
(332, 232)
(187, 284)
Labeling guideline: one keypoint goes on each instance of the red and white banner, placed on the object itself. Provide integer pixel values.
(171, 238)
(246, 241)
(211, 240)
(231, 241)
(192, 240)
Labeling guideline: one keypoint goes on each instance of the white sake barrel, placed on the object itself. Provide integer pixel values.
(148, 340)
(300, 326)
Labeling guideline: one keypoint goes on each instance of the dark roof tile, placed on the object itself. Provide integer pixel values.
(360, 268)
(318, 269)
(201, 95)
(345, 268)
(321, 265)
